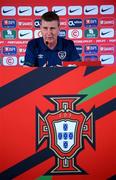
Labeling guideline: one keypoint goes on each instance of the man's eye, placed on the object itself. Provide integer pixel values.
(44, 27)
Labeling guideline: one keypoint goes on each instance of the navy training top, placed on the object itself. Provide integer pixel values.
(38, 54)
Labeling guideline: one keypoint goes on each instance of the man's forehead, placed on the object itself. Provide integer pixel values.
(49, 23)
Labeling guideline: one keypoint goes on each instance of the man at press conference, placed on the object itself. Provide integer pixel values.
(50, 50)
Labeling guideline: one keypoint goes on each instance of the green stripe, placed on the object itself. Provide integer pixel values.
(99, 87)
(44, 178)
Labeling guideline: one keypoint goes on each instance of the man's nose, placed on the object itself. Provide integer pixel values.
(49, 31)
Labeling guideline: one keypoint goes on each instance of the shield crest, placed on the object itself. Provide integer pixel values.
(65, 132)
(65, 135)
(62, 54)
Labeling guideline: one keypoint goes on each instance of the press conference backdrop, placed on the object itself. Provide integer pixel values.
(91, 25)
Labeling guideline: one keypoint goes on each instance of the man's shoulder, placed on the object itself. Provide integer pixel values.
(67, 41)
(35, 41)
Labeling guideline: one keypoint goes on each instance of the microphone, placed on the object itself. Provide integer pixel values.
(47, 43)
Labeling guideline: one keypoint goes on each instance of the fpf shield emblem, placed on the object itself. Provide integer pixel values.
(65, 129)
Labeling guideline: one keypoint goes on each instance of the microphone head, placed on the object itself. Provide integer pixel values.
(47, 43)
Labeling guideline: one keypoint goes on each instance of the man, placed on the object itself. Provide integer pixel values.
(50, 50)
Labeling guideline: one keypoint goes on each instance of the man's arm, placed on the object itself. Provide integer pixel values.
(29, 55)
(74, 56)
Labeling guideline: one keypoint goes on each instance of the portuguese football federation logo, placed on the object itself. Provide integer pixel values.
(65, 129)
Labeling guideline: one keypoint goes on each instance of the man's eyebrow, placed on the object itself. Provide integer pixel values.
(52, 27)
(49, 27)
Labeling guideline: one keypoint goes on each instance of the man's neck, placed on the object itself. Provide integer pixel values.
(51, 45)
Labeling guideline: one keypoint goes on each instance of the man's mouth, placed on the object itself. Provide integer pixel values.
(49, 38)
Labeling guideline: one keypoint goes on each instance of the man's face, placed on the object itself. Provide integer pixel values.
(50, 31)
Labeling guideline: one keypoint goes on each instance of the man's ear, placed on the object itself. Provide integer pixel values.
(59, 28)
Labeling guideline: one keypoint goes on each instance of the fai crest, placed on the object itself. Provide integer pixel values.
(65, 129)
(62, 54)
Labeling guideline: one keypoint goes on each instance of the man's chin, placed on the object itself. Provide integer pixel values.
(50, 42)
